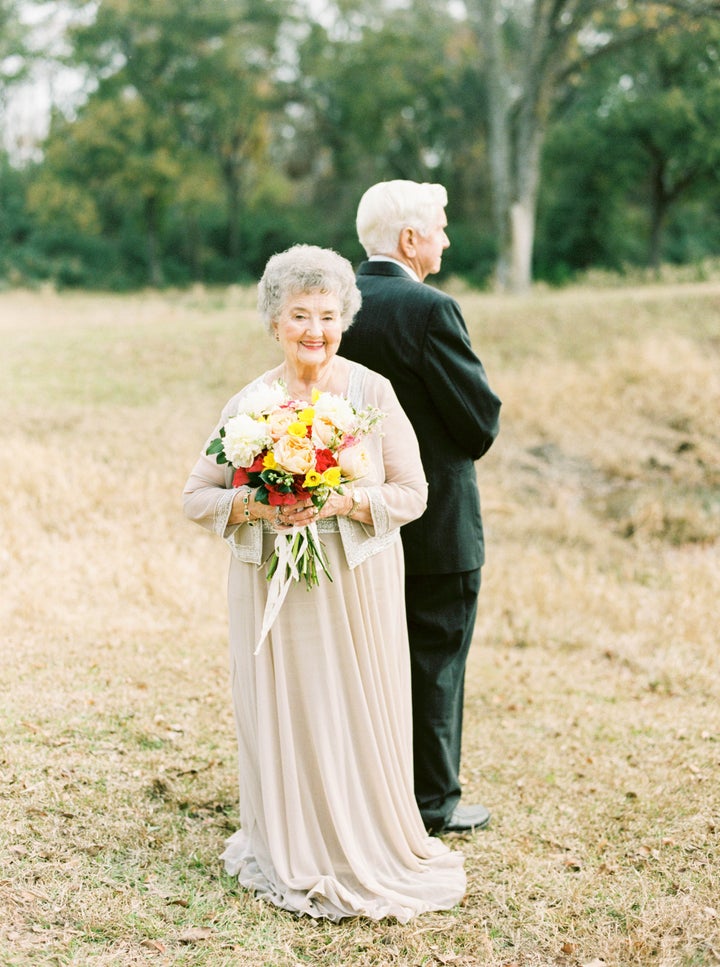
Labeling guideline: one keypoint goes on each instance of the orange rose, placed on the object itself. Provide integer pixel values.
(295, 454)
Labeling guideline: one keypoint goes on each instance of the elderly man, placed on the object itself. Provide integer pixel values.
(416, 336)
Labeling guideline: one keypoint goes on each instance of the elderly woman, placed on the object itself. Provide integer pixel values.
(329, 824)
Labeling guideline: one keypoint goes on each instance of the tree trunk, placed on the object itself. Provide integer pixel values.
(523, 233)
(192, 246)
(498, 140)
(515, 166)
(154, 262)
(233, 196)
(231, 167)
(659, 203)
(514, 143)
(527, 146)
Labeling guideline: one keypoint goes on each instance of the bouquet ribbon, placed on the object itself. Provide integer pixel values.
(285, 573)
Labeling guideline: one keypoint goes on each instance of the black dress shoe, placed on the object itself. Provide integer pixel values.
(466, 818)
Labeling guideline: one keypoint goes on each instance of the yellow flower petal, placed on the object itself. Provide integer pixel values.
(312, 479)
(297, 429)
(306, 416)
(269, 462)
(332, 476)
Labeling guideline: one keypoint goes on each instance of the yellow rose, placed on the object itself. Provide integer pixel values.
(295, 454)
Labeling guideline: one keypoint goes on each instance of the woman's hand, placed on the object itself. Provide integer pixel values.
(337, 505)
(298, 514)
(293, 515)
(343, 505)
(302, 512)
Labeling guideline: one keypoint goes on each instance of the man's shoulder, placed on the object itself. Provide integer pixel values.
(397, 285)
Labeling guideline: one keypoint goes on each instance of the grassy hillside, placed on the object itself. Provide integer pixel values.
(592, 713)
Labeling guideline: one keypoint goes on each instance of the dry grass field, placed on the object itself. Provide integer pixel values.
(592, 713)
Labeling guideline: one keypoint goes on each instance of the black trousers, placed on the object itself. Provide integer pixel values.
(441, 610)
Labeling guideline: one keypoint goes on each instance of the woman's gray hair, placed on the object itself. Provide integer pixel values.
(390, 206)
(307, 268)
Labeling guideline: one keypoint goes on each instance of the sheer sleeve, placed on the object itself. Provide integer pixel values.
(402, 495)
(208, 497)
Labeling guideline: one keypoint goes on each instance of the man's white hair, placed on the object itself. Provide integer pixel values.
(390, 206)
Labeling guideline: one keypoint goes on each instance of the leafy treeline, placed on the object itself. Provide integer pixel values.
(569, 133)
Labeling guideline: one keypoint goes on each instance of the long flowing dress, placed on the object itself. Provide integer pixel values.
(329, 823)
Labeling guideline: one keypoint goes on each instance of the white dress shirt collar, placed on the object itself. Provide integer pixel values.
(389, 258)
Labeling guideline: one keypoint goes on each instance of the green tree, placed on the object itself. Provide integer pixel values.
(630, 167)
(382, 92)
(12, 69)
(117, 163)
(533, 50)
(12, 49)
(202, 70)
(664, 112)
(584, 217)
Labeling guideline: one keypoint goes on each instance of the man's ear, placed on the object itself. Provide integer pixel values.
(406, 242)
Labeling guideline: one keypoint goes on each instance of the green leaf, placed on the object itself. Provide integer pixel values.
(215, 446)
(277, 479)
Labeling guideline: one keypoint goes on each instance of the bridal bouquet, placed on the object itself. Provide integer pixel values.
(290, 450)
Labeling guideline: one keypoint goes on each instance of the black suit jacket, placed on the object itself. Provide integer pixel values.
(416, 336)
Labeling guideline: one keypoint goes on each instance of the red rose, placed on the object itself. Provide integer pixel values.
(240, 477)
(323, 460)
(275, 499)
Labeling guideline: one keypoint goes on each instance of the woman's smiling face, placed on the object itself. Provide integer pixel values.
(309, 329)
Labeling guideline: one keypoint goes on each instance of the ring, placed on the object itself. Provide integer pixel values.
(278, 515)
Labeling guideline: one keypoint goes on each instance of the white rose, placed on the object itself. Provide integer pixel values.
(335, 410)
(262, 400)
(244, 439)
(325, 432)
(354, 462)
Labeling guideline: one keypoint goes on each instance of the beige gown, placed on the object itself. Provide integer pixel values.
(329, 824)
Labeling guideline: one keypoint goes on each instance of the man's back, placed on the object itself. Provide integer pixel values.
(415, 336)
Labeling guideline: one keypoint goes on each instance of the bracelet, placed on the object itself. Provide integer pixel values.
(355, 497)
(246, 504)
